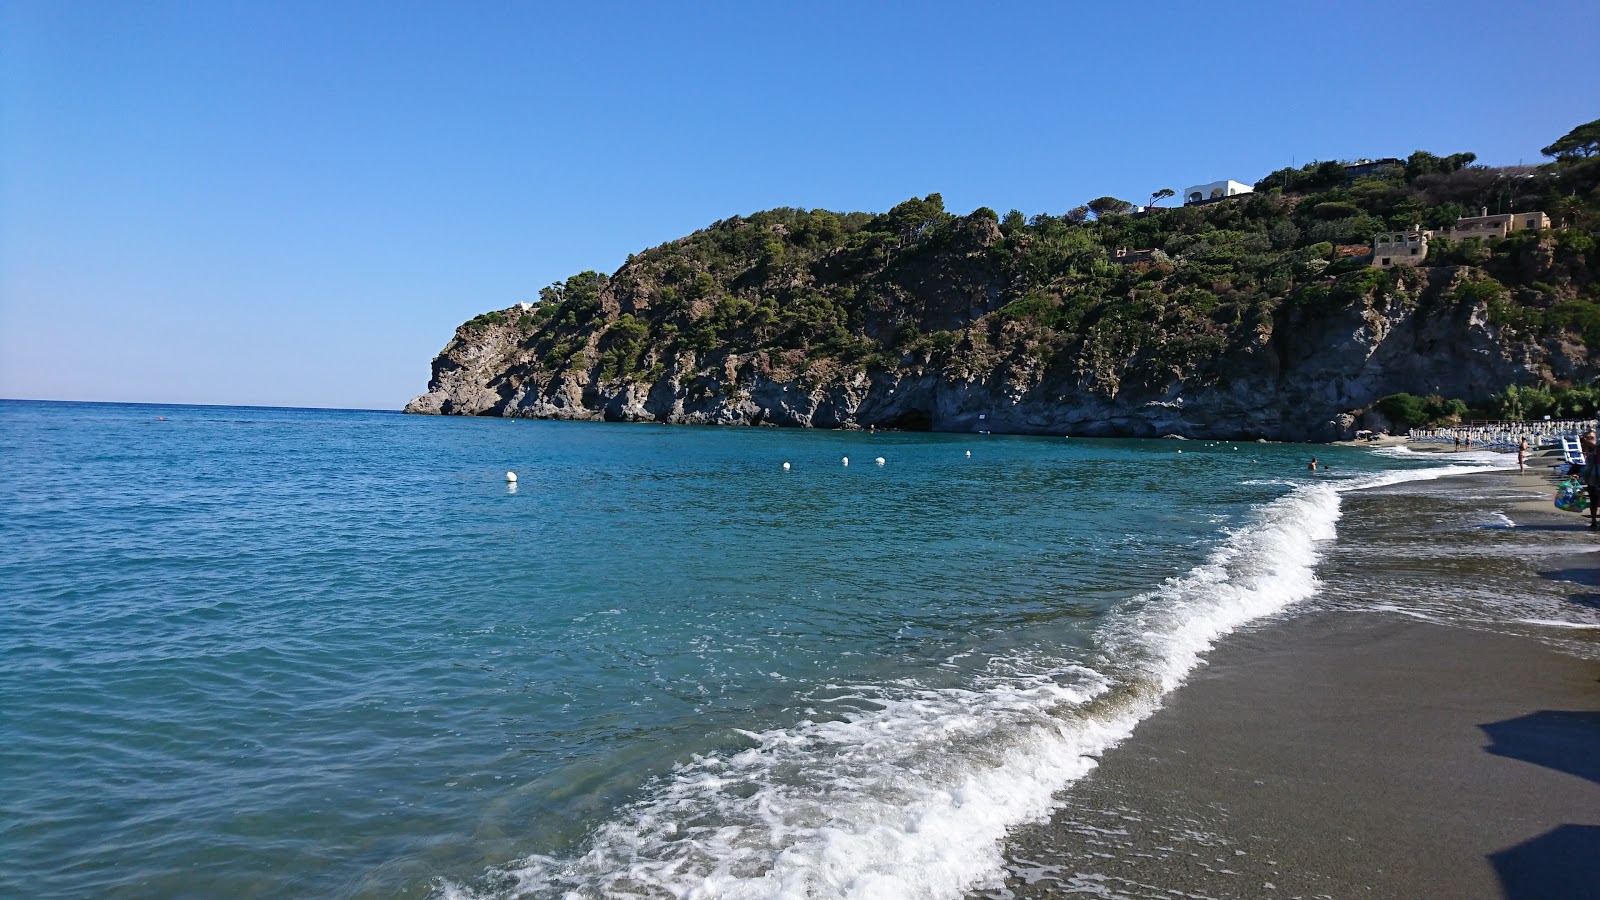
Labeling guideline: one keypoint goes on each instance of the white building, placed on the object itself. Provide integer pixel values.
(1216, 190)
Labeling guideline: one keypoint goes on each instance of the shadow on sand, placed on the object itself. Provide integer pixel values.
(1588, 576)
(1582, 525)
(1564, 862)
(1567, 741)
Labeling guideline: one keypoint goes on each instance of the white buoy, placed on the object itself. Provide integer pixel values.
(969, 454)
(879, 460)
(511, 477)
(786, 467)
(845, 460)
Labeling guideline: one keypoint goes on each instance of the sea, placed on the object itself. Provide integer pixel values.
(250, 652)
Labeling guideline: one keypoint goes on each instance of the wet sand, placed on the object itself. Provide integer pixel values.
(1349, 753)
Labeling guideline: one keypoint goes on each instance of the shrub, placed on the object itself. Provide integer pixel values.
(1438, 409)
(1473, 293)
(1039, 309)
(1406, 410)
(477, 323)
(1337, 209)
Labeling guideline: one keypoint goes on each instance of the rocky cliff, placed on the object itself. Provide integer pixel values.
(1254, 317)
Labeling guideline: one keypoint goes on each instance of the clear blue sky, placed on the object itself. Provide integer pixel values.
(295, 203)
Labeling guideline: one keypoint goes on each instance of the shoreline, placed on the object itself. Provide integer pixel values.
(1360, 745)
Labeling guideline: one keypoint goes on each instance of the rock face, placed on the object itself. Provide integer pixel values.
(1243, 327)
(1308, 377)
(462, 374)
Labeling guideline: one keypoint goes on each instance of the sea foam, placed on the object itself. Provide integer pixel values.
(911, 794)
(1480, 457)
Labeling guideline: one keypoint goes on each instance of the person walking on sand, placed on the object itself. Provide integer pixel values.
(1522, 456)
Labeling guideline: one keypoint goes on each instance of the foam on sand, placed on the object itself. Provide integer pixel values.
(1480, 457)
(1558, 623)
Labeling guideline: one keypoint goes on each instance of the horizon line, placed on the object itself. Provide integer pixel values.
(202, 405)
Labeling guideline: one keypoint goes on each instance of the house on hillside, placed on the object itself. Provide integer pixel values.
(1410, 248)
(1216, 190)
(1489, 227)
(1125, 256)
(1400, 248)
(1361, 168)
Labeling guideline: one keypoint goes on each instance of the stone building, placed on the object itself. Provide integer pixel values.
(1400, 248)
(1488, 227)
(1410, 248)
(1216, 190)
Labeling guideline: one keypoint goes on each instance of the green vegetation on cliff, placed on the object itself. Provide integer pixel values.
(812, 295)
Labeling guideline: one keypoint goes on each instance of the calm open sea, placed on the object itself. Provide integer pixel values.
(268, 652)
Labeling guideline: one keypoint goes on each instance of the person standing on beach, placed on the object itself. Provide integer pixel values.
(1458, 442)
(1522, 456)
(1590, 473)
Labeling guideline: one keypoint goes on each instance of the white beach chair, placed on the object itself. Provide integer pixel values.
(1571, 451)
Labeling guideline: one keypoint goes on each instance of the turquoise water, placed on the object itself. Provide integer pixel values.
(268, 652)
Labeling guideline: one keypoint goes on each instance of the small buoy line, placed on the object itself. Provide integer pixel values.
(511, 477)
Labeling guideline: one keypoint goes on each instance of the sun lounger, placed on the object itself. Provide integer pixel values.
(1571, 452)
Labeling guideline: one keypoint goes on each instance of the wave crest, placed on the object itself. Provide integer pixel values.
(910, 795)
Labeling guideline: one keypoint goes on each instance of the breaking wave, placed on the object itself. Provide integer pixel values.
(911, 794)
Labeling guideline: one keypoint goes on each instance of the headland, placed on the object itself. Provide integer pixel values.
(1284, 311)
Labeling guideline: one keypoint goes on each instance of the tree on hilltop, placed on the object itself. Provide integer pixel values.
(1423, 163)
(913, 218)
(1579, 143)
(1102, 205)
(1161, 195)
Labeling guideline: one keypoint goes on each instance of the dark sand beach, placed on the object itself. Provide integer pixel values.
(1425, 728)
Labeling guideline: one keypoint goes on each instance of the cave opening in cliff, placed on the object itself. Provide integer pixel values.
(911, 420)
